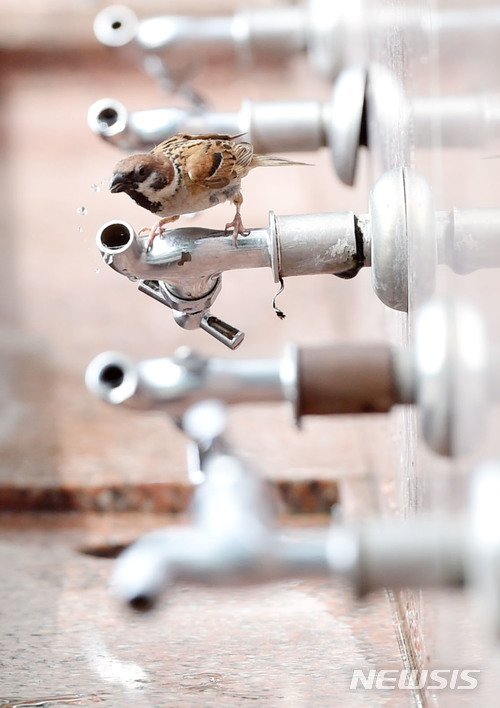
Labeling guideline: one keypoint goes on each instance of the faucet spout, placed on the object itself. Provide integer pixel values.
(188, 259)
(233, 538)
(183, 40)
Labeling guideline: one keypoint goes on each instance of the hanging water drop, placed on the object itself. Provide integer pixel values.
(95, 188)
(82, 211)
(79, 229)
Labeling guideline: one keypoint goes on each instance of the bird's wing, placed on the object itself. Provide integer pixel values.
(220, 164)
(211, 160)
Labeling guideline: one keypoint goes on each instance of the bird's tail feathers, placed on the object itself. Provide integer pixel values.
(273, 161)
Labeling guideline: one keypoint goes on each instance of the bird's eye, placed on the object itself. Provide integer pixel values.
(141, 172)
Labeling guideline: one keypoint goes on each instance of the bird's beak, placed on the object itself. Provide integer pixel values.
(119, 182)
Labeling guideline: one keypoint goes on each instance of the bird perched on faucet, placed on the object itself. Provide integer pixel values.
(187, 173)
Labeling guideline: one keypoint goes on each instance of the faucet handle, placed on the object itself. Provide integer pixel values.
(225, 333)
(191, 314)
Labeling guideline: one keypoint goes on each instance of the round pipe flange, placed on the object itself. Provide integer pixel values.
(387, 117)
(389, 247)
(403, 246)
(451, 365)
(345, 121)
(422, 251)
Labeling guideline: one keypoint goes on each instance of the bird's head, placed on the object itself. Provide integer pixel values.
(147, 174)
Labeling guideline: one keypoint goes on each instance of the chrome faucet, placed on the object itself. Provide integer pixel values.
(182, 42)
(331, 33)
(333, 380)
(360, 98)
(234, 539)
(183, 269)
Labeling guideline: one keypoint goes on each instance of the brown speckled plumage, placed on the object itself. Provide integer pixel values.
(187, 173)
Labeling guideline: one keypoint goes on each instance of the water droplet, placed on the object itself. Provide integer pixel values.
(95, 188)
(97, 271)
(79, 229)
(82, 211)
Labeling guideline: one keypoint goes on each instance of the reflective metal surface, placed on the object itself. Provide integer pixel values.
(402, 238)
(333, 34)
(182, 269)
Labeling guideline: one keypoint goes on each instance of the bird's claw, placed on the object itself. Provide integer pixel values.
(154, 231)
(236, 226)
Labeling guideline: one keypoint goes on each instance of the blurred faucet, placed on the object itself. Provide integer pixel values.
(345, 379)
(449, 336)
(233, 541)
(233, 538)
(361, 98)
(271, 126)
(269, 33)
(333, 33)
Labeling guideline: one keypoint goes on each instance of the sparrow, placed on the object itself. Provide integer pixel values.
(187, 173)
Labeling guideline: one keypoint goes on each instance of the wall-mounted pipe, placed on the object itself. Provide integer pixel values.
(183, 269)
(332, 34)
(316, 381)
(360, 98)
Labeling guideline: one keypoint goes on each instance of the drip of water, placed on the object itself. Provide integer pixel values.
(79, 229)
(82, 211)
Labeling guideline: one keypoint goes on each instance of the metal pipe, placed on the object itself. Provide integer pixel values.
(228, 545)
(238, 551)
(334, 34)
(245, 35)
(316, 380)
(463, 121)
(271, 126)
(344, 379)
(301, 244)
(183, 270)
(189, 258)
(468, 239)
(233, 541)
(186, 265)
(173, 384)
(395, 553)
(470, 121)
